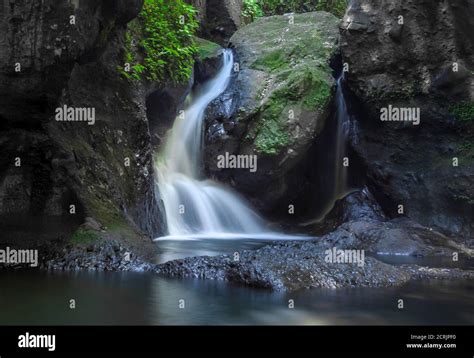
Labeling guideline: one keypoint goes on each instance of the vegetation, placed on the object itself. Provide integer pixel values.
(85, 236)
(257, 8)
(299, 79)
(463, 111)
(160, 42)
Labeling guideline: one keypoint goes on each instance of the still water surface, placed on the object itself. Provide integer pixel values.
(39, 298)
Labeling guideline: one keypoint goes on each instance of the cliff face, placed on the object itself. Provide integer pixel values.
(57, 54)
(420, 55)
(219, 18)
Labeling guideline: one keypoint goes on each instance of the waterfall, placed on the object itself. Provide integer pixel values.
(342, 133)
(195, 206)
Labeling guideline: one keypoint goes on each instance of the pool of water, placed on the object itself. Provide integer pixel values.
(33, 297)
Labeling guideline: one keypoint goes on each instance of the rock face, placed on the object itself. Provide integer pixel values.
(278, 103)
(415, 55)
(54, 55)
(219, 18)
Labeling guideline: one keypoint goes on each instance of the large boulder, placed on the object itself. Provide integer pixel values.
(416, 54)
(278, 103)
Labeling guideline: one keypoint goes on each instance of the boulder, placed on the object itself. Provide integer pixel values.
(278, 103)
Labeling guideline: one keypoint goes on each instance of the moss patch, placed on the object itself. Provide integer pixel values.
(295, 84)
(206, 49)
(270, 133)
(463, 111)
(85, 237)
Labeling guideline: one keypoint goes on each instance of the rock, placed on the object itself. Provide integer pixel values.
(107, 255)
(92, 224)
(208, 62)
(278, 103)
(410, 168)
(72, 163)
(293, 265)
(219, 18)
(286, 267)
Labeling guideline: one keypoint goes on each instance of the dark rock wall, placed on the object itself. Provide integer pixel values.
(410, 65)
(64, 163)
(219, 18)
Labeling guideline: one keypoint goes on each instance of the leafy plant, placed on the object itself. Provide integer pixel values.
(278, 7)
(252, 9)
(160, 44)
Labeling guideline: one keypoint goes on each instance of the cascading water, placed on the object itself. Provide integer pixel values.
(342, 118)
(195, 206)
(338, 141)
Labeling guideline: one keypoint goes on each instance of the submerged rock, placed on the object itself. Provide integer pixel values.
(278, 103)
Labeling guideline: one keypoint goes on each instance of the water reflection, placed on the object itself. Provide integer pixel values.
(33, 297)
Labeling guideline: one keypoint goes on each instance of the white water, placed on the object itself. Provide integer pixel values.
(342, 118)
(341, 136)
(195, 207)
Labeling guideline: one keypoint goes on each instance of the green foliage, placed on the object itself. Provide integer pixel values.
(252, 9)
(335, 7)
(464, 111)
(279, 7)
(160, 43)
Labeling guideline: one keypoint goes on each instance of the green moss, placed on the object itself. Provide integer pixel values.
(85, 237)
(463, 111)
(205, 48)
(271, 131)
(275, 60)
(308, 85)
(295, 60)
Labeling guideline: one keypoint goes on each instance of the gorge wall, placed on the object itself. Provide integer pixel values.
(415, 54)
(49, 59)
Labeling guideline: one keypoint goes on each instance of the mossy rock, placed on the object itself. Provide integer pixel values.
(206, 49)
(85, 237)
(284, 68)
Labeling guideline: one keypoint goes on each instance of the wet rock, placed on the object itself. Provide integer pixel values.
(412, 165)
(209, 60)
(294, 265)
(278, 102)
(102, 256)
(219, 18)
(287, 266)
(72, 163)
